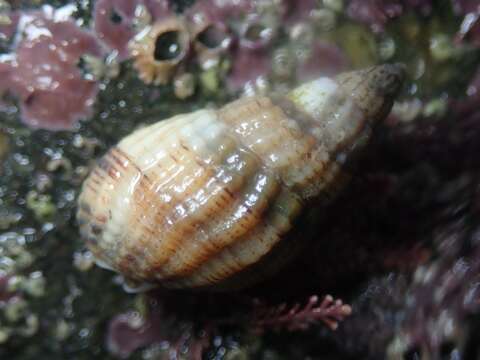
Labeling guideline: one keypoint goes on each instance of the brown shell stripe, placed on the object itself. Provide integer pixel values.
(218, 202)
(232, 262)
(186, 223)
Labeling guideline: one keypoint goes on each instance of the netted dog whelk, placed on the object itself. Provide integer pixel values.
(215, 198)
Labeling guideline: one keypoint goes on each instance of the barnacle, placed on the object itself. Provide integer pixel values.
(158, 50)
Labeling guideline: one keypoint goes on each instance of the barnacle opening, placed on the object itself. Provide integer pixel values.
(256, 34)
(168, 46)
(212, 37)
(115, 17)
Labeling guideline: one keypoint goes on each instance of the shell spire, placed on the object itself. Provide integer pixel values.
(216, 198)
(352, 100)
(373, 90)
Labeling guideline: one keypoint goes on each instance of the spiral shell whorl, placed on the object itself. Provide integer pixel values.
(201, 198)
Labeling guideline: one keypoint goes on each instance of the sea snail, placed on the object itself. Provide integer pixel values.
(211, 199)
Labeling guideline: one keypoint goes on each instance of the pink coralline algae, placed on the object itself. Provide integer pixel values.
(295, 11)
(466, 6)
(5, 70)
(220, 10)
(178, 334)
(130, 331)
(8, 30)
(248, 68)
(444, 294)
(325, 59)
(5, 295)
(114, 20)
(373, 13)
(44, 74)
(253, 54)
(473, 89)
(377, 13)
(297, 317)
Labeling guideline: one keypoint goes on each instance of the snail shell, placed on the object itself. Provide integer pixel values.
(210, 198)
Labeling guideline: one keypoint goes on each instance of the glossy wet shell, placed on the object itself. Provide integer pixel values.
(202, 198)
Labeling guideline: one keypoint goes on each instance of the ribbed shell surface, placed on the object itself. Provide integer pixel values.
(210, 198)
(195, 199)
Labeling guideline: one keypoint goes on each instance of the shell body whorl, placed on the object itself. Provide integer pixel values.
(202, 198)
